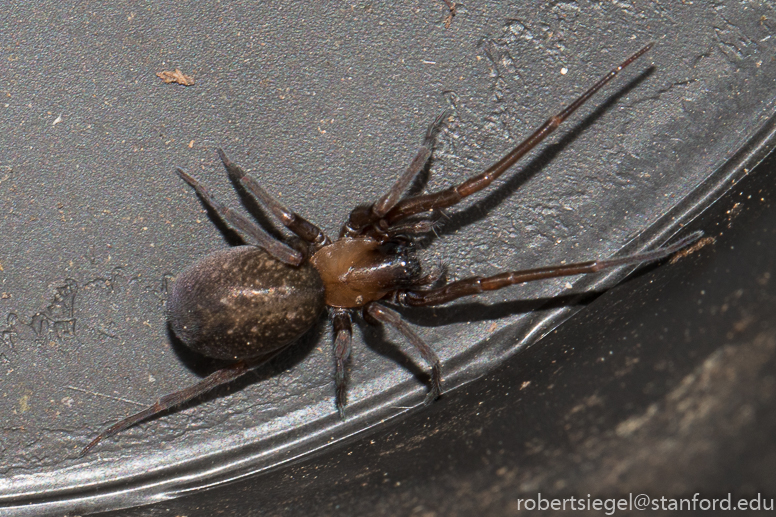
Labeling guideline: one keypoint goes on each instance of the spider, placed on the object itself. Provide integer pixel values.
(248, 303)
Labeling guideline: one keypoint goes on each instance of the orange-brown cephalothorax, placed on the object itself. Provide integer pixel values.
(356, 271)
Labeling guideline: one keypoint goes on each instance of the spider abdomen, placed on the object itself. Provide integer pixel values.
(241, 303)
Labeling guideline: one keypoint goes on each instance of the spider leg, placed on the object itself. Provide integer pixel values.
(213, 380)
(306, 230)
(385, 315)
(343, 336)
(453, 195)
(477, 284)
(363, 216)
(260, 238)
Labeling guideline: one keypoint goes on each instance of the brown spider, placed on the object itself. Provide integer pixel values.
(248, 303)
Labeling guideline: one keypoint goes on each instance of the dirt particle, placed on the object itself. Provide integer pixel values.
(175, 76)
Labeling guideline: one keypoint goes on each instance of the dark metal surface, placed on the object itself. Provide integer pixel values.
(325, 108)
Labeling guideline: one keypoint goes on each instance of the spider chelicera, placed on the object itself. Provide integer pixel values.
(248, 303)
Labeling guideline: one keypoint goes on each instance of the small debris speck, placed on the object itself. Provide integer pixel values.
(175, 76)
(24, 403)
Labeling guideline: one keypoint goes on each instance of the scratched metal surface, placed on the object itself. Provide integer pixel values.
(325, 107)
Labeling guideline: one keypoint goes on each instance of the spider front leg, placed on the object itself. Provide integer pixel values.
(475, 285)
(363, 217)
(449, 197)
